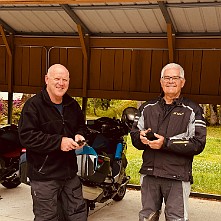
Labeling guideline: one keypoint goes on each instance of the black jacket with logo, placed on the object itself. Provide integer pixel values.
(184, 128)
(41, 128)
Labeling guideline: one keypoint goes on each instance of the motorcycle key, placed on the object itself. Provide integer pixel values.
(81, 142)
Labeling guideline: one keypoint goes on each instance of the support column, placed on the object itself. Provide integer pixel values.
(84, 40)
(10, 70)
(171, 42)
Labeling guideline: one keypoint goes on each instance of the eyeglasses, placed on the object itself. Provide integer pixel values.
(174, 78)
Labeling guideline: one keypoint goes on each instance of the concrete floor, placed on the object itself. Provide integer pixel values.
(16, 205)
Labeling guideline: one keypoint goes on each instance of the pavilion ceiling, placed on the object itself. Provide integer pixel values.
(112, 18)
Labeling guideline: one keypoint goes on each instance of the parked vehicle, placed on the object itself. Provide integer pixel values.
(10, 151)
(102, 162)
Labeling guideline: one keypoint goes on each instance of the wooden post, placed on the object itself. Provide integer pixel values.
(171, 42)
(9, 64)
(85, 48)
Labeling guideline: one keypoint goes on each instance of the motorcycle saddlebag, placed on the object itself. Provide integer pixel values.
(92, 167)
(9, 139)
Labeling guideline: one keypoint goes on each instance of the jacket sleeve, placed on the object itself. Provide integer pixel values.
(195, 142)
(135, 132)
(30, 135)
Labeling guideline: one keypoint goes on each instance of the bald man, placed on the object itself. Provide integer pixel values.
(50, 126)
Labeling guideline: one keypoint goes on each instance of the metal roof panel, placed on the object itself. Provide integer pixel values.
(212, 22)
(39, 21)
(187, 16)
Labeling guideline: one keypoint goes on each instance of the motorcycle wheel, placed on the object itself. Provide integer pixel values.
(11, 183)
(121, 193)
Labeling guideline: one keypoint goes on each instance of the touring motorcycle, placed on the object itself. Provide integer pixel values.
(10, 152)
(102, 161)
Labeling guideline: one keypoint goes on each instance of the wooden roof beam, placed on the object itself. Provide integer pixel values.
(166, 14)
(84, 40)
(7, 27)
(64, 1)
(171, 42)
(80, 26)
(9, 52)
(75, 18)
(170, 30)
(5, 41)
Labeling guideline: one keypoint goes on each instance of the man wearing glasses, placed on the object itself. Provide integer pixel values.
(170, 130)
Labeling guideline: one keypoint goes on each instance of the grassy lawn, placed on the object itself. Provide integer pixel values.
(206, 166)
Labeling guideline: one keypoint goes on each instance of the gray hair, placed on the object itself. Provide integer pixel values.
(173, 65)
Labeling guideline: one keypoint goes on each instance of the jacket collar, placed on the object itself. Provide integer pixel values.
(176, 101)
(66, 98)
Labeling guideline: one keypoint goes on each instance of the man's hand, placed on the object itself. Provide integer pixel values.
(80, 140)
(68, 144)
(143, 138)
(155, 144)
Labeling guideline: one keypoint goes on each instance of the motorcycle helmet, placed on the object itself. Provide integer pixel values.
(128, 116)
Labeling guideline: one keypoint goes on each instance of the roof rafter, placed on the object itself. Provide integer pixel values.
(142, 5)
(75, 18)
(170, 30)
(166, 14)
(7, 27)
(44, 2)
(63, 1)
(125, 35)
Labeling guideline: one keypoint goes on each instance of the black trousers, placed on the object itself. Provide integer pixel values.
(58, 200)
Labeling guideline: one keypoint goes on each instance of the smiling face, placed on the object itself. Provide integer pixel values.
(57, 81)
(172, 83)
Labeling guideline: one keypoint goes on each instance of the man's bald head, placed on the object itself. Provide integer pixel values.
(57, 68)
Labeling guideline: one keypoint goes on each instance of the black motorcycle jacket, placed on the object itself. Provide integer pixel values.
(184, 129)
(41, 128)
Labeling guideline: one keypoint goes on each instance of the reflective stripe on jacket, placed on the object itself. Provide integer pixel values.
(184, 129)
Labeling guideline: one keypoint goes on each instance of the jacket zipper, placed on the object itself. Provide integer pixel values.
(43, 165)
(63, 122)
(165, 116)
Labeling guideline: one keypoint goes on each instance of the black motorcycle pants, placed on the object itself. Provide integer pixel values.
(53, 199)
